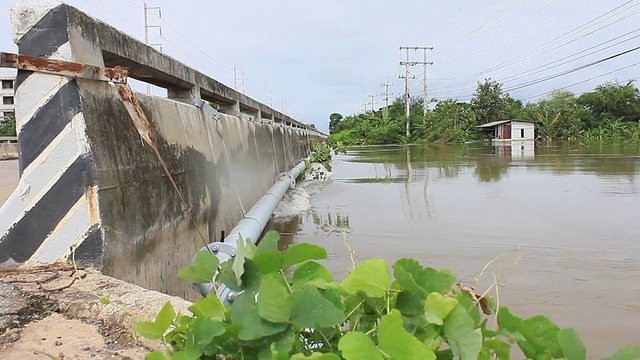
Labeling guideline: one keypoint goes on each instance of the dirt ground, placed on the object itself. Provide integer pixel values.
(8, 178)
(53, 312)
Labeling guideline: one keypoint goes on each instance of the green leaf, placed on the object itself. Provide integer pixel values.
(302, 252)
(206, 329)
(437, 307)
(571, 344)
(274, 301)
(269, 261)
(254, 327)
(542, 334)
(155, 329)
(192, 350)
(371, 277)
(495, 346)
(281, 347)
(461, 334)
(315, 356)
(196, 274)
(356, 345)
(242, 305)
(396, 342)
(238, 260)
(156, 355)
(312, 310)
(626, 353)
(206, 258)
(413, 277)
(269, 242)
(209, 307)
(313, 273)
(249, 249)
(470, 307)
(148, 329)
(410, 303)
(228, 277)
(203, 270)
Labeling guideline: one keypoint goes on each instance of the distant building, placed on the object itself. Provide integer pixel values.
(7, 106)
(507, 130)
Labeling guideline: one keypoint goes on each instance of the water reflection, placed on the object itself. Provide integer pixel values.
(567, 207)
(492, 162)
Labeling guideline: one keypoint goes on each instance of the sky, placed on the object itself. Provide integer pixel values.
(312, 58)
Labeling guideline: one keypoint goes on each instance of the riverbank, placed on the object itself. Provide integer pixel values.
(53, 313)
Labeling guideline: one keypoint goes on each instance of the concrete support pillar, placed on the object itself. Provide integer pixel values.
(55, 204)
(231, 109)
(184, 95)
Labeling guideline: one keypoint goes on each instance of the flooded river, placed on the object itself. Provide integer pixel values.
(563, 216)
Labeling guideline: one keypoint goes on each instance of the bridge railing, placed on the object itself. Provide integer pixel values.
(92, 187)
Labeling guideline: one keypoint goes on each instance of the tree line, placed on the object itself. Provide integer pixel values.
(610, 111)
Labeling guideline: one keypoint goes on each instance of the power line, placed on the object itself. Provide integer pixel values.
(532, 54)
(583, 81)
(501, 32)
(550, 77)
(513, 3)
(559, 62)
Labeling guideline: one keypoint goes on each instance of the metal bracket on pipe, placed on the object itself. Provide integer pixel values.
(224, 252)
(208, 109)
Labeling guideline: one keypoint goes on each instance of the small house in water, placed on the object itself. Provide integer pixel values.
(507, 130)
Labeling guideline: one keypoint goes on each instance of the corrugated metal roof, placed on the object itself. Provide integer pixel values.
(495, 123)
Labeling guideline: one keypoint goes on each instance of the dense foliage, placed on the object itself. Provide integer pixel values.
(289, 307)
(610, 111)
(323, 151)
(8, 126)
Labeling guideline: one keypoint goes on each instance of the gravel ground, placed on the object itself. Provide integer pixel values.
(53, 313)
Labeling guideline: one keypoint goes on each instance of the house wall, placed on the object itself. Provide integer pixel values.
(5, 109)
(518, 126)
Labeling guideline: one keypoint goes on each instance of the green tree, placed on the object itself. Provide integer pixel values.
(8, 125)
(334, 120)
(489, 102)
(610, 102)
(557, 116)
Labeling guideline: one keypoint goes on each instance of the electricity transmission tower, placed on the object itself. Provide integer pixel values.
(238, 76)
(387, 94)
(146, 9)
(373, 102)
(407, 76)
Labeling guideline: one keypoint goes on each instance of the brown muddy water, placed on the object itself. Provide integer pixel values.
(564, 217)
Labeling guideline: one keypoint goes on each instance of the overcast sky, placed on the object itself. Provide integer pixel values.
(316, 57)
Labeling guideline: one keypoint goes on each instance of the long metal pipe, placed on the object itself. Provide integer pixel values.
(251, 226)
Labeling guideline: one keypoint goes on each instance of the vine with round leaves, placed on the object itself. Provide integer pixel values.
(290, 307)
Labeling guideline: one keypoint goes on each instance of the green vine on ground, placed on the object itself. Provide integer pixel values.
(289, 307)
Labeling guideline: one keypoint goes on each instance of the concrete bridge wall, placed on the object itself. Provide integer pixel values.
(88, 181)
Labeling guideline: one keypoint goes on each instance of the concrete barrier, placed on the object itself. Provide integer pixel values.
(88, 181)
(8, 147)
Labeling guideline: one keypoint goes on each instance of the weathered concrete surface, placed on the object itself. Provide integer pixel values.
(49, 310)
(89, 182)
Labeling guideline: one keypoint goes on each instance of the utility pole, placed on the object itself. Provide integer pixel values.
(373, 102)
(364, 107)
(407, 76)
(425, 97)
(237, 76)
(146, 9)
(268, 96)
(386, 93)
